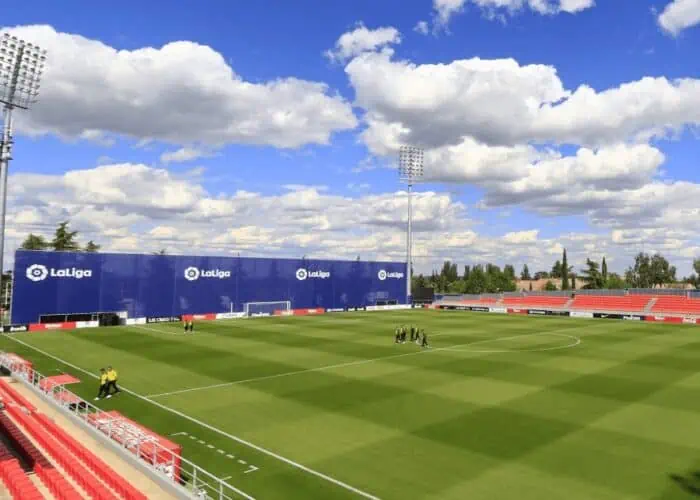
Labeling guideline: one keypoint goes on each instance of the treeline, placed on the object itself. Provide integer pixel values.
(63, 240)
(474, 279)
(648, 271)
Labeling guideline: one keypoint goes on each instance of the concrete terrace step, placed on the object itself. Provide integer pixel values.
(650, 304)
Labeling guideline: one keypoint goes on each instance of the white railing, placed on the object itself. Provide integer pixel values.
(183, 476)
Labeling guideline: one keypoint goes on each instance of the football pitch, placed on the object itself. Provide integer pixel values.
(500, 407)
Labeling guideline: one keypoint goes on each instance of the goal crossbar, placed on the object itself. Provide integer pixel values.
(266, 308)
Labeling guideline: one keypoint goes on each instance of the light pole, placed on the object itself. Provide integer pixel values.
(21, 66)
(410, 172)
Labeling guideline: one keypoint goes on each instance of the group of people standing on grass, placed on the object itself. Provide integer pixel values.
(417, 336)
(108, 383)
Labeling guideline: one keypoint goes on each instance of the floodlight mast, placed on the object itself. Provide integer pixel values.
(410, 172)
(21, 67)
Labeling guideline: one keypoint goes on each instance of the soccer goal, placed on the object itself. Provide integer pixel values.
(266, 308)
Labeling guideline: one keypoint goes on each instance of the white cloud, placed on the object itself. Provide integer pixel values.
(519, 237)
(184, 155)
(446, 9)
(180, 93)
(502, 102)
(361, 40)
(679, 15)
(137, 208)
(422, 27)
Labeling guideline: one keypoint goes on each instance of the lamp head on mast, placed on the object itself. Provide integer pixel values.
(21, 69)
(410, 164)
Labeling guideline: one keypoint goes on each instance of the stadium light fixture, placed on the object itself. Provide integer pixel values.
(410, 172)
(21, 68)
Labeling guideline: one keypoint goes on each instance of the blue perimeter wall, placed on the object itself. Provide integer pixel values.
(156, 285)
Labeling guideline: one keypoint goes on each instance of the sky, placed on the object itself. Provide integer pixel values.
(273, 128)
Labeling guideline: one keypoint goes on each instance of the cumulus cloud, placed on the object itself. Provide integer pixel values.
(137, 208)
(679, 15)
(445, 9)
(184, 155)
(181, 93)
(501, 102)
(361, 40)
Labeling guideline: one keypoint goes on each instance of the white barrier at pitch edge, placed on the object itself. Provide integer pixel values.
(230, 315)
(391, 307)
(498, 310)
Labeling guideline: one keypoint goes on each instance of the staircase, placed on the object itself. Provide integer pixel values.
(650, 304)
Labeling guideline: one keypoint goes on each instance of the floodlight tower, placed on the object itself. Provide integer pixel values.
(410, 172)
(21, 66)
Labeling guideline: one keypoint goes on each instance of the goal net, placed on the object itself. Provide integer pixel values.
(266, 308)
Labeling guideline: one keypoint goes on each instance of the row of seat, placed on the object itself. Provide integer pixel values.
(57, 484)
(677, 305)
(14, 478)
(536, 300)
(629, 303)
(632, 303)
(70, 454)
(92, 486)
(96, 464)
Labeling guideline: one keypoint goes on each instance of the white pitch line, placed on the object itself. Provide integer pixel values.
(157, 330)
(353, 363)
(237, 439)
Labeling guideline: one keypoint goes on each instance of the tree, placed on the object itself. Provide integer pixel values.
(540, 275)
(477, 281)
(592, 276)
(661, 271)
(564, 272)
(64, 240)
(467, 272)
(696, 266)
(556, 270)
(550, 287)
(449, 272)
(604, 271)
(34, 242)
(639, 275)
(531, 286)
(509, 272)
(573, 282)
(649, 272)
(615, 282)
(525, 275)
(92, 247)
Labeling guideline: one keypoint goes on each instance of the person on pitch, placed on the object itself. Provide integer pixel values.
(425, 341)
(103, 384)
(397, 335)
(112, 378)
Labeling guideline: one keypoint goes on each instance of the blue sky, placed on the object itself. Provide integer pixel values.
(272, 128)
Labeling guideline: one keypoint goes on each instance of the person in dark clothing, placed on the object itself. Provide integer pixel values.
(425, 341)
(103, 384)
(397, 335)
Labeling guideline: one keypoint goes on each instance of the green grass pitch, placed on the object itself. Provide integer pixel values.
(501, 407)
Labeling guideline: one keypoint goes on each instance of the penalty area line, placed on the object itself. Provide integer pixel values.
(237, 439)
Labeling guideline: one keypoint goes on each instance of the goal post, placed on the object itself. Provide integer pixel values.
(266, 308)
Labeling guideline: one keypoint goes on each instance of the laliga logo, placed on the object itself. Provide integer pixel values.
(303, 274)
(39, 272)
(382, 275)
(193, 274)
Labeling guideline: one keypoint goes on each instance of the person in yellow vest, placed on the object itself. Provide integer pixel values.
(103, 384)
(112, 381)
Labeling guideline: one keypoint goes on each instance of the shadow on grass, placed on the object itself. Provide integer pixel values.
(690, 482)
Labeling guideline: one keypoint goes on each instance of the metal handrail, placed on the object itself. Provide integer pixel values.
(194, 481)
